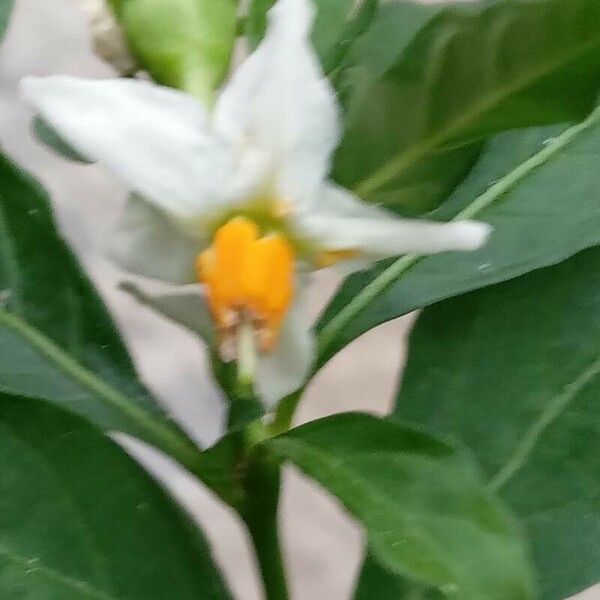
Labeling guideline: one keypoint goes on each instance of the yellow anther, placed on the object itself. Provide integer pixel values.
(249, 279)
(328, 258)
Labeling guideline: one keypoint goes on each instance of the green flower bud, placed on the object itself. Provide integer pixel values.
(108, 41)
(186, 44)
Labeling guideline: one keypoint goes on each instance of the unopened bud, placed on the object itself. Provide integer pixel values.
(108, 39)
(185, 44)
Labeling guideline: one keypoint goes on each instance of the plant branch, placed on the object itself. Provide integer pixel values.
(263, 482)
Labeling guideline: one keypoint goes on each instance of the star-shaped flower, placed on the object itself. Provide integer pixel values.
(237, 198)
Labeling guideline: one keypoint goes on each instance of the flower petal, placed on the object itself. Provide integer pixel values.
(154, 138)
(278, 373)
(344, 222)
(146, 242)
(285, 368)
(279, 101)
(185, 306)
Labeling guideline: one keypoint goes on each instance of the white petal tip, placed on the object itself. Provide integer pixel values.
(298, 15)
(471, 235)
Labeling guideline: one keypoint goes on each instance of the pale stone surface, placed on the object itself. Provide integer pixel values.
(324, 546)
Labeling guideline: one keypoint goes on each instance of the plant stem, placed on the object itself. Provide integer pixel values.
(284, 414)
(246, 356)
(260, 515)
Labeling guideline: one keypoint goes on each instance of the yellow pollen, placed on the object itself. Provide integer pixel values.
(327, 258)
(249, 279)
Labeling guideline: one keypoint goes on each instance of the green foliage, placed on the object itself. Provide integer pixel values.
(424, 508)
(255, 23)
(558, 186)
(424, 82)
(377, 583)
(57, 340)
(6, 7)
(80, 519)
(185, 44)
(513, 371)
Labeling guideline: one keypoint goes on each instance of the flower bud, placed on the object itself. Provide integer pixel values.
(186, 44)
(108, 39)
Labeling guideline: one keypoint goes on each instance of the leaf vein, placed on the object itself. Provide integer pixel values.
(557, 405)
(408, 158)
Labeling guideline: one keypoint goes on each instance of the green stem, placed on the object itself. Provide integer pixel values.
(260, 510)
(282, 420)
(246, 356)
(371, 291)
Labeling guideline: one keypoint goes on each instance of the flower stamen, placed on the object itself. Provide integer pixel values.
(249, 280)
(328, 258)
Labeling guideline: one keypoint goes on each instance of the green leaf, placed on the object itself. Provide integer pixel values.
(6, 7)
(255, 23)
(80, 519)
(186, 44)
(48, 136)
(379, 118)
(514, 372)
(424, 82)
(336, 31)
(543, 211)
(424, 508)
(376, 583)
(57, 340)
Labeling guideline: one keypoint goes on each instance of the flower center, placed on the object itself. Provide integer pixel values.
(249, 280)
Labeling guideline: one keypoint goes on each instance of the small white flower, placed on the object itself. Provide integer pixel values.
(237, 200)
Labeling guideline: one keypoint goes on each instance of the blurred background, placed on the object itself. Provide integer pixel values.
(323, 547)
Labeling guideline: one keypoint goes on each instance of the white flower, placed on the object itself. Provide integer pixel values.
(237, 199)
